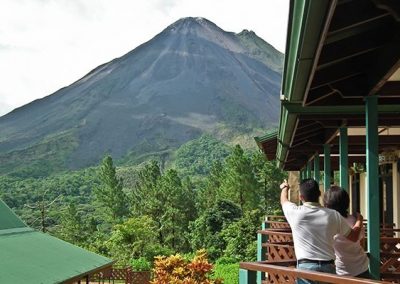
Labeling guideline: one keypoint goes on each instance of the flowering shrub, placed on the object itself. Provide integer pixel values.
(176, 270)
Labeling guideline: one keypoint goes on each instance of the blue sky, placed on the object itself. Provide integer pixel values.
(48, 44)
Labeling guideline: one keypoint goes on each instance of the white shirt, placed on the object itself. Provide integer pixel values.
(313, 229)
(350, 256)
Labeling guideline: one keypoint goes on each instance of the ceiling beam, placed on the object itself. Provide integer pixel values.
(298, 109)
(360, 140)
(316, 139)
(295, 164)
(358, 28)
(340, 71)
(350, 89)
(384, 64)
(361, 12)
(392, 6)
(351, 47)
(390, 89)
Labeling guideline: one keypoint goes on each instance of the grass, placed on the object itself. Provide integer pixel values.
(228, 272)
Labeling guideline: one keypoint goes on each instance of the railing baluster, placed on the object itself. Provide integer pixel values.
(247, 276)
(261, 250)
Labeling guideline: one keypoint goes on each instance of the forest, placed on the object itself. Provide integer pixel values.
(210, 196)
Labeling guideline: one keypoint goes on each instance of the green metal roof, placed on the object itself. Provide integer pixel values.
(266, 137)
(305, 28)
(268, 144)
(29, 256)
(8, 220)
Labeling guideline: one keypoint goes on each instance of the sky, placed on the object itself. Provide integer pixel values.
(48, 44)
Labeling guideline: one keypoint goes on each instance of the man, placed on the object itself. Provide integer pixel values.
(313, 228)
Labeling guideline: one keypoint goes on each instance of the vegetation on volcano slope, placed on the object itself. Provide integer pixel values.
(131, 213)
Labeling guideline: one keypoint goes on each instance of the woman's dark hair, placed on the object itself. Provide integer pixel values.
(309, 189)
(338, 199)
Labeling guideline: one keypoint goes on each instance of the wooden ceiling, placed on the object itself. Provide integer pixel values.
(358, 56)
(360, 52)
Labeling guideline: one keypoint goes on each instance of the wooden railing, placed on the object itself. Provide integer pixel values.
(280, 273)
(276, 248)
(390, 259)
(122, 274)
(279, 245)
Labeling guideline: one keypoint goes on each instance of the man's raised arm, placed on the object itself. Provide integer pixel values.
(285, 192)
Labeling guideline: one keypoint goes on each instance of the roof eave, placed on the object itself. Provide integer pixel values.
(305, 31)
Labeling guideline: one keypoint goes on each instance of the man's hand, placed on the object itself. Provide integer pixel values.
(356, 229)
(360, 219)
(285, 189)
(284, 184)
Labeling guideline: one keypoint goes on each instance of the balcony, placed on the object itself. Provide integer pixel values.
(277, 260)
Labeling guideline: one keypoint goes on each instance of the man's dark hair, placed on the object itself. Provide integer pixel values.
(309, 189)
(338, 199)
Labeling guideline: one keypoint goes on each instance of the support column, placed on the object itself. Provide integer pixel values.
(308, 170)
(327, 166)
(371, 119)
(261, 251)
(344, 158)
(396, 196)
(316, 168)
(247, 276)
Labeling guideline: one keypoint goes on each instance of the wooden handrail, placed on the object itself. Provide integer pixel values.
(275, 216)
(281, 245)
(306, 274)
(278, 232)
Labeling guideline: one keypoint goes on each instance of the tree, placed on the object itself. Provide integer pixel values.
(145, 192)
(205, 230)
(239, 182)
(209, 191)
(71, 226)
(240, 237)
(178, 205)
(197, 156)
(110, 194)
(269, 177)
(134, 238)
(168, 201)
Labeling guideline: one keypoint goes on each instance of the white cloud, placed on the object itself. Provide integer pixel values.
(48, 44)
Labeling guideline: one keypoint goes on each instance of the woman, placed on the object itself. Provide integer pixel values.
(351, 259)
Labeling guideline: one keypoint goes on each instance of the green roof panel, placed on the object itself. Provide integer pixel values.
(35, 257)
(29, 256)
(8, 220)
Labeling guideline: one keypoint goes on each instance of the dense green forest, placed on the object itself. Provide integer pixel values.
(210, 196)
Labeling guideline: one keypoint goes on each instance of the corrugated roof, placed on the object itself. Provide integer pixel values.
(29, 256)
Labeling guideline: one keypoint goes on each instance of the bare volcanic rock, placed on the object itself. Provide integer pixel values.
(191, 78)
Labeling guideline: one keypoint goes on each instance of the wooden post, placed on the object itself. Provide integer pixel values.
(308, 170)
(327, 166)
(371, 119)
(344, 158)
(261, 251)
(247, 276)
(316, 168)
